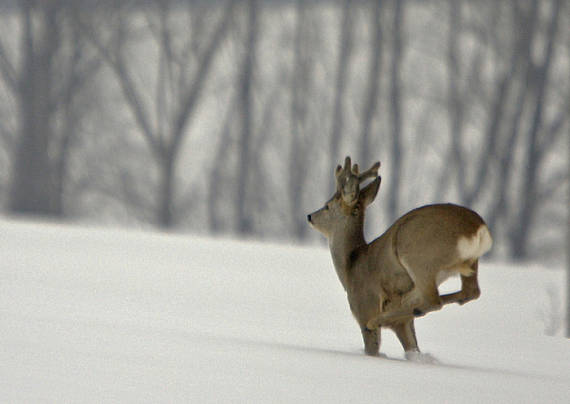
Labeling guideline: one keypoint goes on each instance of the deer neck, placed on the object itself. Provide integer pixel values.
(342, 247)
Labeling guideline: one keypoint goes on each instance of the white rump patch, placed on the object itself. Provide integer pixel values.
(475, 246)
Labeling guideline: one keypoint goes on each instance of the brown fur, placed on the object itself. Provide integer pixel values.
(395, 277)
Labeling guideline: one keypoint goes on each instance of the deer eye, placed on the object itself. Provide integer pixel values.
(354, 211)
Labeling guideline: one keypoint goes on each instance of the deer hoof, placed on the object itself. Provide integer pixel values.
(419, 357)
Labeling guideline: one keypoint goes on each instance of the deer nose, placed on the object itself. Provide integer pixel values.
(309, 218)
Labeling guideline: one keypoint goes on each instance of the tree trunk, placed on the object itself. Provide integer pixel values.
(344, 54)
(533, 155)
(372, 95)
(32, 188)
(165, 214)
(216, 175)
(568, 252)
(244, 223)
(454, 99)
(520, 72)
(299, 150)
(396, 111)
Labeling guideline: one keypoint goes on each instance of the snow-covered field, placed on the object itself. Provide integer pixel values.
(91, 315)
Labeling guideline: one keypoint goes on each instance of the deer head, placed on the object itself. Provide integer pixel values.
(344, 212)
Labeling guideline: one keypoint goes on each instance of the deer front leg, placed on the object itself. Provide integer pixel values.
(371, 341)
(366, 305)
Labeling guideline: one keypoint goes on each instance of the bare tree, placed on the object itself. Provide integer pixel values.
(513, 105)
(462, 85)
(301, 139)
(176, 98)
(533, 153)
(32, 189)
(497, 108)
(54, 70)
(520, 70)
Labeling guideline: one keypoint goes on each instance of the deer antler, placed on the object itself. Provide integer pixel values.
(348, 180)
(372, 172)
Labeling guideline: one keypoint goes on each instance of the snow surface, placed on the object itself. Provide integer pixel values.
(90, 315)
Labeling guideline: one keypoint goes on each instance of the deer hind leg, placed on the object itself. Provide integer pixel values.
(420, 301)
(406, 333)
(423, 298)
(470, 285)
(469, 288)
(416, 303)
(431, 301)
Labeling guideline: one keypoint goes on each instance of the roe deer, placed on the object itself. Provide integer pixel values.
(395, 278)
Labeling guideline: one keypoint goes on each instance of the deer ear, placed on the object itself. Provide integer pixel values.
(370, 191)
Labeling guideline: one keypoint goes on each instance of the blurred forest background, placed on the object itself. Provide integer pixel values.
(227, 117)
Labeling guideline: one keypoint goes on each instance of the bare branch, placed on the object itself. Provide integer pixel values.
(191, 96)
(555, 183)
(115, 60)
(7, 69)
(497, 109)
(555, 130)
(7, 136)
